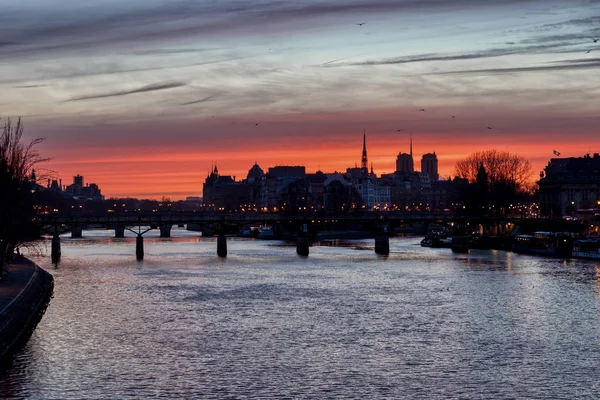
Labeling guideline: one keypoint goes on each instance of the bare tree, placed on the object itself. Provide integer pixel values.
(502, 168)
(17, 160)
(508, 176)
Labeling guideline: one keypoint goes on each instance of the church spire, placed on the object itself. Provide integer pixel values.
(363, 162)
(411, 146)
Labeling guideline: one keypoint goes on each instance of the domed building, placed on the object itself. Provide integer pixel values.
(255, 174)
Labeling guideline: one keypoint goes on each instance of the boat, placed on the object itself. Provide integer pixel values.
(436, 240)
(588, 248)
(246, 233)
(265, 233)
(552, 244)
(460, 244)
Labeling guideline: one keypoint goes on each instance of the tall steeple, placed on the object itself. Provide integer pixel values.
(363, 162)
(411, 145)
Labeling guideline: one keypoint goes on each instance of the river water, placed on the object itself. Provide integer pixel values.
(342, 323)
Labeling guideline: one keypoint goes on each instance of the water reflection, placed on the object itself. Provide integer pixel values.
(341, 323)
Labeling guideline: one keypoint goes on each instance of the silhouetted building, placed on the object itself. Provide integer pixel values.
(80, 192)
(567, 184)
(55, 185)
(255, 174)
(445, 195)
(276, 181)
(284, 171)
(429, 165)
(364, 163)
(78, 180)
(404, 162)
(339, 194)
(316, 189)
(222, 192)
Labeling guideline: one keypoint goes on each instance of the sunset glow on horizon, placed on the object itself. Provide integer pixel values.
(143, 98)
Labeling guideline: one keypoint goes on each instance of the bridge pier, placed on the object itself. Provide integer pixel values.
(55, 249)
(302, 246)
(77, 232)
(119, 232)
(139, 247)
(302, 242)
(382, 243)
(221, 245)
(165, 230)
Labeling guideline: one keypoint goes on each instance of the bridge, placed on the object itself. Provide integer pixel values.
(381, 223)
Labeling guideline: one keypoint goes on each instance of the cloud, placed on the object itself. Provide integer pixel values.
(489, 53)
(197, 101)
(577, 61)
(174, 51)
(536, 68)
(80, 27)
(7, 44)
(29, 86)
(148, 88)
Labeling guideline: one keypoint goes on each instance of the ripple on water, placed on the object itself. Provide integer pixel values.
(342, 323)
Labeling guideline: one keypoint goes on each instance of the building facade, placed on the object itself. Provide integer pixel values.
(429, 166)
(568, 184)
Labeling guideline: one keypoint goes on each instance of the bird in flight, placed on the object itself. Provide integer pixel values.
(453, 117)
(595, 40)
(588, 51)
(489, 127)
(422, 109)
(360, 23)
(256, 124)
(399, 130)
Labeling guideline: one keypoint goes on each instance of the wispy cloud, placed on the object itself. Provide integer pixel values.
(437, 57)
(58, 29)
(7, 44)
(564, 66)
(197, 101)
(173, 51)
(148, 88)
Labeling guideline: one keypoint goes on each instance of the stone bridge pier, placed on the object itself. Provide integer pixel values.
(119, 232)
(382, 242)
(303, 242)
(139, 247)
(77, 232)
(165, 230)
(222, 245)
(55, 248)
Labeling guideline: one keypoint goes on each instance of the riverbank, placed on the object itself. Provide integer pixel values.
(24, 295)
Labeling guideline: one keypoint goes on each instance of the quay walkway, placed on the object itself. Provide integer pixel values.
(25, 292)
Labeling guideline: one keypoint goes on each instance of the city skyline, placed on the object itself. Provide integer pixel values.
(148, 94)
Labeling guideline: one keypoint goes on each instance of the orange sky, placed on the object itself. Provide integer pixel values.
(142, 97)
(157, 167)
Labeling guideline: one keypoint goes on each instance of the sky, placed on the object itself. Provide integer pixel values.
(142, 97)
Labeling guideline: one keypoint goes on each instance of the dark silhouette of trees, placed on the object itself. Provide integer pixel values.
(296, 198)
(508, 177)
(17, 160)
(340, 198)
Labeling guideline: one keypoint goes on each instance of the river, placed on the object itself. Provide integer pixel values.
(342, 323)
